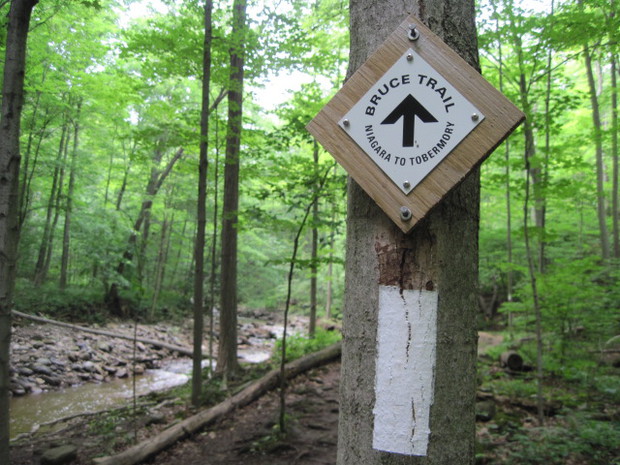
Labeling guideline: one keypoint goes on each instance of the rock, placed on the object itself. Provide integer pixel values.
(485, 410)
(122, 373)
(43, 361)
(25, 371)
(16, 389)
(155, 418)
(59, 455)
(90, 367)
(51, 380)
(138, 369)
(43, 370)
(104, 346)
(57, 362)
(77, 367)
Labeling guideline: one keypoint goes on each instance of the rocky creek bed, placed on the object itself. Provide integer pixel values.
(46, 357)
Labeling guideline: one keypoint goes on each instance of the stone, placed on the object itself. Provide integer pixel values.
(156, 418)
(59, 455)
(43, 370)
(485, 410)
(89, 366)
(25, 371)
(104, 346)
(51, 380)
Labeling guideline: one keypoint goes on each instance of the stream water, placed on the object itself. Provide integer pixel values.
(30, 410)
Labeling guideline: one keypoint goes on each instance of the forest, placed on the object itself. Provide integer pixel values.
(166, 174)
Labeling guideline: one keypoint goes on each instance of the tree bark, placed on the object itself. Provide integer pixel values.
(66, 237)
(614, 154)
(201, 214)
(600, 168)
(439, 255)
(10, 115)
(314, 268)
(227, 354)
(40, 271)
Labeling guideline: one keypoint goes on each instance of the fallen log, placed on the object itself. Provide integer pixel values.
(152, 342)
(511, 360)
(193, 424)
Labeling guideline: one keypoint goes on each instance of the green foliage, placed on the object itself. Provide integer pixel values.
(79, 304)
(581, 439)
(298, 345)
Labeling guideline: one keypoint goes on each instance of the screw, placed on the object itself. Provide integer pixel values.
(475, 117)
(413, 34)
(346, 123)
(405, 214)
(406, 184)
(409, 57)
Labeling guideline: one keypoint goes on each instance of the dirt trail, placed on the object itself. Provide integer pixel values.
(249, 436)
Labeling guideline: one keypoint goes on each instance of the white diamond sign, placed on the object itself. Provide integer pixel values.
(410, 120)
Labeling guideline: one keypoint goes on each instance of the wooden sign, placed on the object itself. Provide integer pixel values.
(412, 122)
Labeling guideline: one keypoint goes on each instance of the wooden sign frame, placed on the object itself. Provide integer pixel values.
(501, 118)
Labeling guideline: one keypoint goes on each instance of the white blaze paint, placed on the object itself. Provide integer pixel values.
(405, 373)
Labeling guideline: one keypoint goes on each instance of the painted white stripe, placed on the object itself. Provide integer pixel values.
(405, 373)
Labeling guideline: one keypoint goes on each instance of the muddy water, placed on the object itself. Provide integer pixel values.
(30, 410)
(34, 409)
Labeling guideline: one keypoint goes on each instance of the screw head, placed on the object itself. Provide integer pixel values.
(409, 57)
(405, 213)
(346, 123)
(475, 117)
(406, 184)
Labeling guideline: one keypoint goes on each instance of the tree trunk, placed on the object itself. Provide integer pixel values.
(437, 259)
(12, 102)
(614, 154)
(314, 269)
(46, 238)
(227, 355)
(64, 262)
(600, 168)
(157, 179)
(160, 266)
(199, 249)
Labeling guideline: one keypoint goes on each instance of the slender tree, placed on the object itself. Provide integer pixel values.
(227, 348)
(201, 215)
(10, 116)
(314, 268)
(66, 237)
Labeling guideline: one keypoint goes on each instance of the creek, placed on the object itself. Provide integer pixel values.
(30, 410)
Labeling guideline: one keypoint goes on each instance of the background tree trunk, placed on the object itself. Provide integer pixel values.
(314, 267)
(440, 254)
(66, 237)
(227, 354)
(598, 144)
(12, 101)
(199, 248)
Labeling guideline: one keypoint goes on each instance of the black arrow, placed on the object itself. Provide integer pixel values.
(409, 108)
